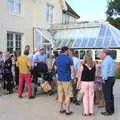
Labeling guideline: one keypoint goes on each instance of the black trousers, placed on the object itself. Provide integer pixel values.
(108, 94)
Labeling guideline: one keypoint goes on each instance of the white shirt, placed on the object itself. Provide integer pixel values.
(76, 62)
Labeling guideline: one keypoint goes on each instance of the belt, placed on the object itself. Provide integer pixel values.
(111, 77)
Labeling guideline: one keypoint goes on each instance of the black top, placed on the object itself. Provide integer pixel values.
(88, 75)
(8, 66)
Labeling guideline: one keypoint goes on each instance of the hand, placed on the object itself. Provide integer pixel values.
(78, 85)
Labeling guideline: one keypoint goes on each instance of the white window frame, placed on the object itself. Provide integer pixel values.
(15, 47)
(49, 14)
(13, 11)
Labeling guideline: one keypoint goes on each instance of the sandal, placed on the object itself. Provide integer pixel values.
(62, 111)
(68, 113)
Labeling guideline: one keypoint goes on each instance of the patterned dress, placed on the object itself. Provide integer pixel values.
(8, 78)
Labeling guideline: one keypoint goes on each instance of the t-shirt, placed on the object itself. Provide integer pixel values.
(63, 64)
(23, 63)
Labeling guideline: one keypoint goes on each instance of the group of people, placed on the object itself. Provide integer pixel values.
(87, 77)
(15, 71)
(92, 80)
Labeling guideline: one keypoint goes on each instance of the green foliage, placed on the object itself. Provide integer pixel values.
(113, 13)
(118, 75)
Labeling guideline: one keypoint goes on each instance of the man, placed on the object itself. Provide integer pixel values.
(76, 62)
(30, 55)
(108, 70)
(65, 67)
(24, 65)
(40, 56)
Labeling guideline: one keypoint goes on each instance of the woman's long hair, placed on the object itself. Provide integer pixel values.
(88, 60)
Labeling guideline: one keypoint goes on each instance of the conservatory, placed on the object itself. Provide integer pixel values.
(87, 37)
(83, 37)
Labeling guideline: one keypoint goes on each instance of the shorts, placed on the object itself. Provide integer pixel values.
(65, 91)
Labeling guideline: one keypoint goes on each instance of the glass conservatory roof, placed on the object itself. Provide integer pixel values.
(87, 36)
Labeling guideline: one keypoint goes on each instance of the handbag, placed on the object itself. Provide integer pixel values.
(80, 95)
(46, 86)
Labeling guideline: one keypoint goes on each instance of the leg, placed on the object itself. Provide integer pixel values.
(28, 83)
(20, 86)
(91, 97)
(67, 86)
(108, 95)
(60, 95)
(84, 87)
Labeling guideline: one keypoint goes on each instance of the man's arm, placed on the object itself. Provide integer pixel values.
(105, 70)
(73, 71)
(17, 62)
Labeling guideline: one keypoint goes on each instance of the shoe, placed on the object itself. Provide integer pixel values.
(10, 92)
(106, 113)
(20, 97)
(90, 114)
(62, 111)
(51, 93)
(69, 113)
(77, 103)
(31, 97)
(85, 114)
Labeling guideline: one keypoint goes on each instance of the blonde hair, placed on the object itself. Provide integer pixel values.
(88, 60)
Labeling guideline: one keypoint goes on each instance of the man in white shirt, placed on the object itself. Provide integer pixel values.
(76, 62)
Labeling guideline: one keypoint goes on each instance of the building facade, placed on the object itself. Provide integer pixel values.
(18, 18)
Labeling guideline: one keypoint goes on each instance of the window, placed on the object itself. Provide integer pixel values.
(82, 53)
(97, 54)
(14, 6)
(65, 18)
(14, 42)
(50, 13)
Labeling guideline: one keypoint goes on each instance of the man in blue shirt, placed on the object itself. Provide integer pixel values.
(65, 68)
(40, 56)
(108, 70)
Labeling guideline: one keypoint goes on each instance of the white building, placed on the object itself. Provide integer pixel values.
(20, 18)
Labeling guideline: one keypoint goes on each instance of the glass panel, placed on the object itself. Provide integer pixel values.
(10, 6)
(49, 14)
(70, 43)
(77, 43)
(102, 30)
(97, 52)
(91, 43)
(84, 42)
(10, 42)
(99, 43)
(82, 53)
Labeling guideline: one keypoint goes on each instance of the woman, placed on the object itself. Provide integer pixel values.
(8, 78)
(86, 84)
(24, 65)
(99, 98)
(15, 69)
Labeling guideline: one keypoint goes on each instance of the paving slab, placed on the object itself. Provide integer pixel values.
(44, 107)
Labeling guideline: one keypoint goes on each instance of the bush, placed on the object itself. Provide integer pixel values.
(118, 75)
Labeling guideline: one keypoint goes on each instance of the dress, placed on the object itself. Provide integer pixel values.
(8, 78)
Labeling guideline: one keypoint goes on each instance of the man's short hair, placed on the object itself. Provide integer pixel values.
(108, 52)
(27, 46)
(26, 52)
(64, 49)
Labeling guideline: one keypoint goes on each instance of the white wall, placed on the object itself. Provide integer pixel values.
(22, 24)
(34, 14)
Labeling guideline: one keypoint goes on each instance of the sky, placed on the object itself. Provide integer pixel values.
(89, 10)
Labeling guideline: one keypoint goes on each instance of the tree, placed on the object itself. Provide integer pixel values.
(113, 13)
